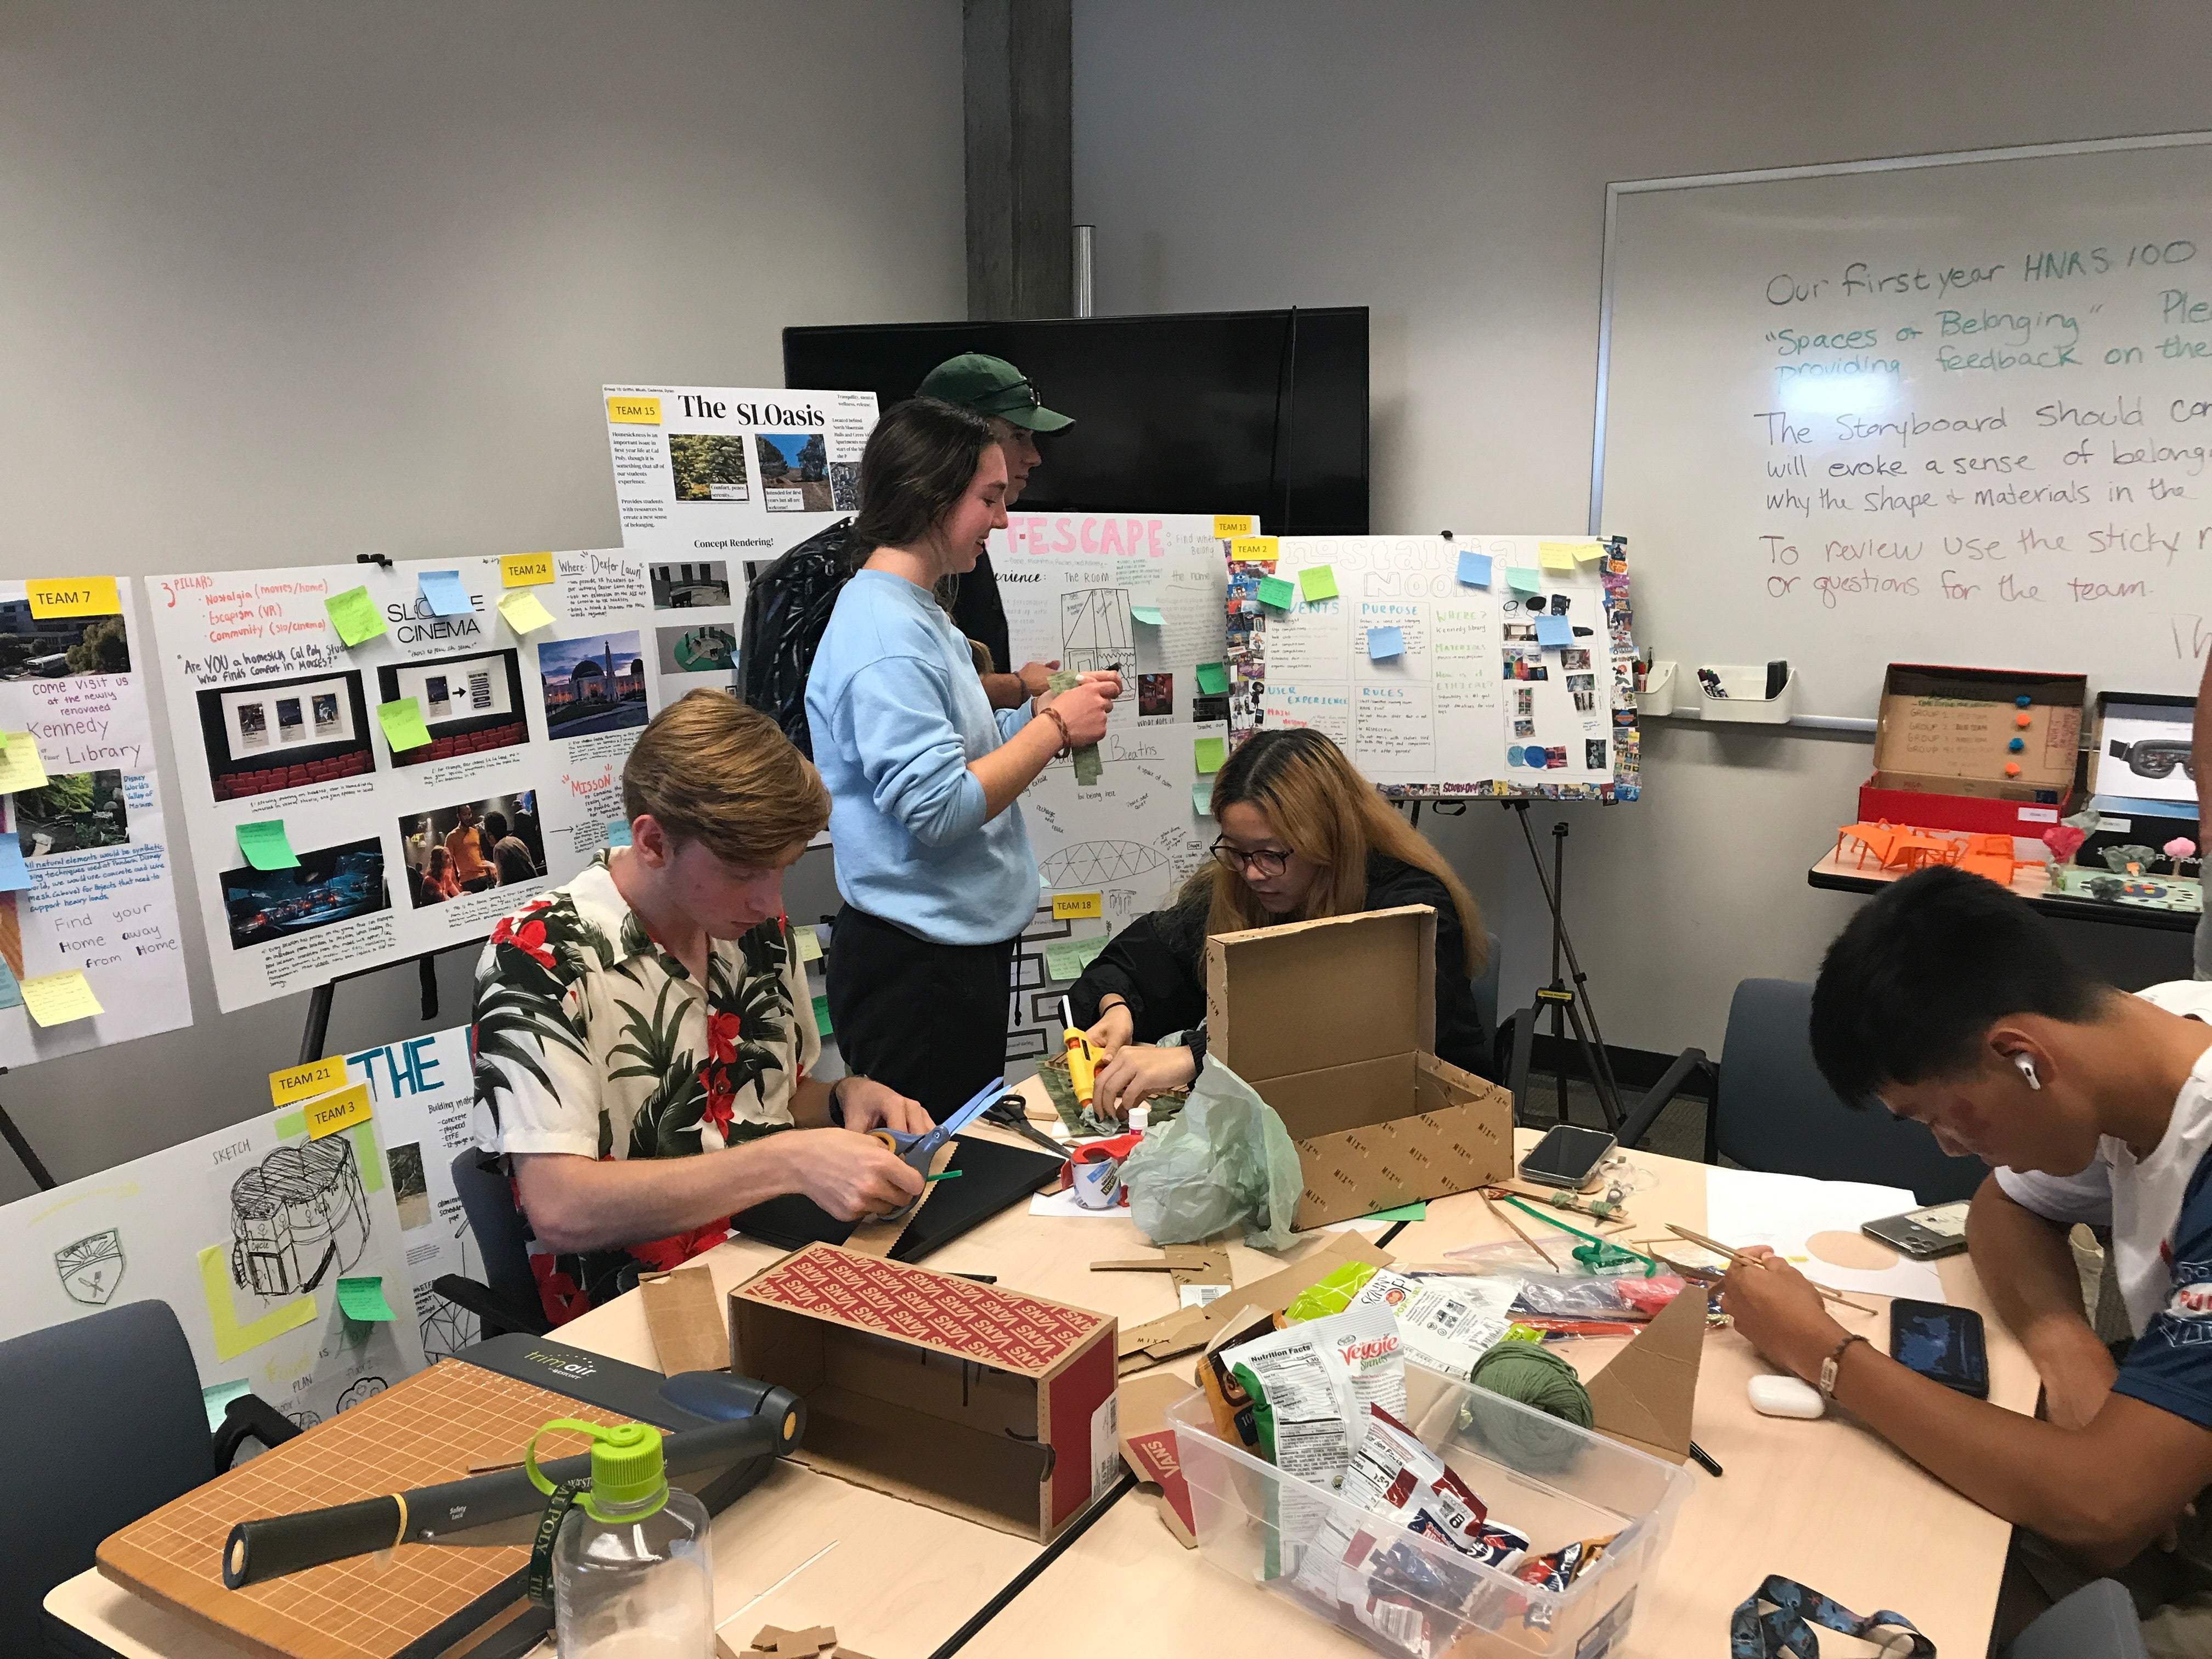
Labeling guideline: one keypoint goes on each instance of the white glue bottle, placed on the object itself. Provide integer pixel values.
(633, 1567)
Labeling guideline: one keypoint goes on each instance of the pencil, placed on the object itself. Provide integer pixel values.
(1522, 1236)
(1734, 1256)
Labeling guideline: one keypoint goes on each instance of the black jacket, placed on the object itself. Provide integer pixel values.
(1157, 964)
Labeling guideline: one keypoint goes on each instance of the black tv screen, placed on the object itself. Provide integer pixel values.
(1220, 411)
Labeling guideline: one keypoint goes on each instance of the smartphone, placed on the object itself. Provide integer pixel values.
(1940, 1342)
(1940, 1229)
(1567, 1156)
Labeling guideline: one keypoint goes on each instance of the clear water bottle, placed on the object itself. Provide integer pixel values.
(633, 1567)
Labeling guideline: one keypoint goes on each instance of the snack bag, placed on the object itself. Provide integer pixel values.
(1447, 1324)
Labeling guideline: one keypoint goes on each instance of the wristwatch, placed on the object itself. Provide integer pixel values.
(1829, 1366)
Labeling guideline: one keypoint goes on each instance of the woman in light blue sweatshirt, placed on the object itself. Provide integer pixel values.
(933, 862)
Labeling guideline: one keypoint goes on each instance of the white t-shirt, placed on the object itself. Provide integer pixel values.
(2140, 1201)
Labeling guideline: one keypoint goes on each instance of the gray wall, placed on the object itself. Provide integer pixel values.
(1445, 163)
(283, 283)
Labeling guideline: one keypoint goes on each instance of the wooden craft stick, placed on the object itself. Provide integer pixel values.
(1719, 1249)
(1518, 1233)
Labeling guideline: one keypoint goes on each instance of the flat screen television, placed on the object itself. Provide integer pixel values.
(1217, 411)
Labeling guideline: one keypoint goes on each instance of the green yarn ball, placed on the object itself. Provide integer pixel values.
(1531, 1375)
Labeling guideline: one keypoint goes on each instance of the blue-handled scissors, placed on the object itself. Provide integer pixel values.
(918, 1152)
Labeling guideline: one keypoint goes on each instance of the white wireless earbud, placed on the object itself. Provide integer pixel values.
(2026, 1065)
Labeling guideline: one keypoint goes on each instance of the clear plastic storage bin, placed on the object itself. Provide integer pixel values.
(1554, 1482)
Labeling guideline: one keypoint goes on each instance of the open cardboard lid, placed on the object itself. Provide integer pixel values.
(1956, 723)
(1309, 995)
(1644, 1395)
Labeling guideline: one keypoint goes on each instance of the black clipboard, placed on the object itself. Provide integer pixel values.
(993, 1176)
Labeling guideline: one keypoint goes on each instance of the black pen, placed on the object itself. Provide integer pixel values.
(1704, 1461)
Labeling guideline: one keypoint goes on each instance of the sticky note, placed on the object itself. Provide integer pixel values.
(231, 1338)
(265, 846)
(1317, 581)
(1275, 591)
(316, 1077)
(524, 614)
(634, 411)
(822, 1016)
(443, 589)
(341, 1111)
(1555, 630)
(15, 875)
(74, 596)
(355, 615)
(1555, 556)
(362, 1300)
(1252, 547)
(1588, 552)
(218, 1396)
(1212, 679)
(618, 833)
(1149, 615)
(402, 724)
(11, 992)
(1228, 526)
(1077, 907)
(57, 998)
(1207, 754)
(1417, 1211)
(20, 767)
(1201, 798)
(809, 944)
(1523, 581)
(1474, 570)
(1066, 958)
(525, 569)
(1385, 643)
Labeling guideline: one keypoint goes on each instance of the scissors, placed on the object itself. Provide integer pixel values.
(918, 1151)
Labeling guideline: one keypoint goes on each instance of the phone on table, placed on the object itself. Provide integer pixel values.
(1940, 1229)
(1942, 1343)
(1567, 1156)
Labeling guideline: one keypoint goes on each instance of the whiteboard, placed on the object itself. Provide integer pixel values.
(1950, 409)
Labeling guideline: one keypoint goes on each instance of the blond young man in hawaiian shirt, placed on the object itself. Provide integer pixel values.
(654, 1011)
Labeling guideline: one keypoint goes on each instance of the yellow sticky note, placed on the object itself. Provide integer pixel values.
(74, 596)
(355, 615)
(1589, 552)
(20, 765)
(1209, 753)
(339, 1111)
(1075, 907)
(57, 998)
(525, 569)
(231, 1338)
(1252, 547)
(316, 1077)
(402, 724)
(809, 944)
(524, 614)
(1556, 555)
(1229, 525)
(634, 411)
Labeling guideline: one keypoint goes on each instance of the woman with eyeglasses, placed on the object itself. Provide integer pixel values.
(1302, 835)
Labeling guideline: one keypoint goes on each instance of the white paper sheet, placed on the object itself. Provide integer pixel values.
(1802, 1218)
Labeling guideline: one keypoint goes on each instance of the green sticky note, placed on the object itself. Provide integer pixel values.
(217, 1396)
(1212, 679)
(1066, 958)
(1149, 615)
(1317, 581)
(1417, 1211)
(402, 724)
(1209, 753)
(1524, 581)
(822, 1016)
(265, 848)
(1201, 798)
(1275, 591)
(362, 1300)
(355, 615)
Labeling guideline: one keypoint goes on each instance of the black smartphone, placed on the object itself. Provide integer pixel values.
(1941, 1342)
(1567, 1156)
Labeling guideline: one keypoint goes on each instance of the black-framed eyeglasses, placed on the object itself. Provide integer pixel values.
(1267, 861)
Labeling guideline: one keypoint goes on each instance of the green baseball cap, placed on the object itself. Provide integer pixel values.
(991, 386)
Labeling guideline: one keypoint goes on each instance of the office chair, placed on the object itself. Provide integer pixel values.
(114, 1401)
(506, 1298)
(1773, 1109)
(2097, 1621)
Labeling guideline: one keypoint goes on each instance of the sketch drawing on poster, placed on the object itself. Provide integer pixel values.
(1095, 631)
(92, 1267)
(297, 1214)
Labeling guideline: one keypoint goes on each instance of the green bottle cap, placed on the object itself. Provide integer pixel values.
(626, 1464)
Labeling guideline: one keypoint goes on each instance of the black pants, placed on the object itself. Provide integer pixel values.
(927, 1020)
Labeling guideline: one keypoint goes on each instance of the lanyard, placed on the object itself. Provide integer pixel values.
(1776, 1621)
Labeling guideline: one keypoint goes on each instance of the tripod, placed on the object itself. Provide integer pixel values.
(1569, 1004)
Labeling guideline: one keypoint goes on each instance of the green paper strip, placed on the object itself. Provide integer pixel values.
(822, 1016)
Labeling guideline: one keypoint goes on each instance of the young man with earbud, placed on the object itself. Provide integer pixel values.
(1945, 1001)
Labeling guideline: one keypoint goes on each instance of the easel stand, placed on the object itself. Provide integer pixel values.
(318, 1029)
(21, 1148)
(1567, 997)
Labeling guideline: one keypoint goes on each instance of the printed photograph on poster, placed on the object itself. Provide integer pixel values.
(75, 811)
(468, 704)
(284, 734)
(709, 467)
(595, 684)
(1156, 694)
(794, 472)
(50, 648)
(472, 848)
(694, 586)
(332, 883)
(2143, 753)
(708, 648)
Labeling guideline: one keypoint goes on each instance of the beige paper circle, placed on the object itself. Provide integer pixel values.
(1853, 1250)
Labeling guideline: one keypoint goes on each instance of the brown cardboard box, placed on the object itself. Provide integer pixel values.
(1942, 742)
(1332, 1022)
(990, 1405)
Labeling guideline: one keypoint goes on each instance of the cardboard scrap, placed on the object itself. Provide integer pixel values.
(1142, 1347)
(819, 1642)
(685, 1319)
(1184, 1264)
(1148, 1446)
(1644, 1397)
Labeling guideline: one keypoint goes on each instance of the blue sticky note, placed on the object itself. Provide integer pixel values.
(1385, 643)
(444, 590)
(618, 833)
(1474, 570)
(13, 877)
(11, 993)
(1555, 630)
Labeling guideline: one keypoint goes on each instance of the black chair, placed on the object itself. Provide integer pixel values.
(113, 1401)
(2097, 1621)
(506, 1298)
(1772, 1110)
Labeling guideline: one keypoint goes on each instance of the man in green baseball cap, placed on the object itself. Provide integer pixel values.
(1002, 394)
